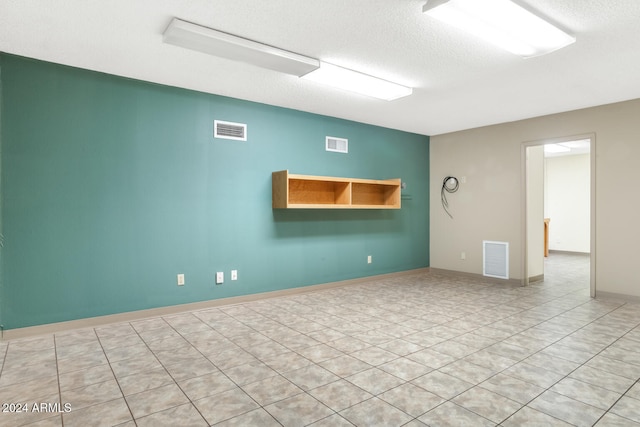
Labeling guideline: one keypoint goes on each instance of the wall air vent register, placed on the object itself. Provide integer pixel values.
(229, 130)
(339, 145)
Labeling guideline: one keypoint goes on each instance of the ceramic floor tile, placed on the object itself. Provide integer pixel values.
(196, 368)
(271, 390)
(111, 413)
(29, 391)
(178, 416)
(334, 420)
(136, 365)
(206, 385)
(374, 412)
(624, 369)
(226, 405)
(375, 381)
(468, 371)
(602, 379)
(400, 347)
(486, 403)
(310, 377)
(634, 391)
(249, 373)
(287, 362)
(512, 388)
(256, 417)
(405, 369)
(586, 393)
(92, 394)
(340, 395)
(85, 377)
(374, 355)
(552, 363)
(533, 374)
(136, 383)
(343, 366)
(566, 409)
(155, 400)
(411, 399)
(627, 407)
(442, 384)
(489, 360)
(26, 373)
(431, 358)
(612, 420)
(299, 410)
(442, 415)
(528, 417)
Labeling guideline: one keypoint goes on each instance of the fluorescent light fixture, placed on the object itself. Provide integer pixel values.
(224, 45)
(501, 22)
(354, 81)
(556, 148)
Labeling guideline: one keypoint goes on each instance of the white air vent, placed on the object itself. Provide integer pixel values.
(339, 145)
(229, 130)
(495, 258)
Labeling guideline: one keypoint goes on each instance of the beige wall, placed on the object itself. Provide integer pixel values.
(489, 205)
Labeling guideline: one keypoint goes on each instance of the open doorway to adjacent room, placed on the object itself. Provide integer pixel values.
(558, 205)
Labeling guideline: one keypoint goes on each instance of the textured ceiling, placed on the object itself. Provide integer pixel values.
(459, 82)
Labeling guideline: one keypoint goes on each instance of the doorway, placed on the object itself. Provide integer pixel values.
(558, 189)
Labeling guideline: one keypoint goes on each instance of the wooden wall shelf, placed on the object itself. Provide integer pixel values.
(291, 191)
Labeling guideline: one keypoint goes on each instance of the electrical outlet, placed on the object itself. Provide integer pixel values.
(463, 255)
(369, 259)
(219, 278)
(234, 274)
(180, 279)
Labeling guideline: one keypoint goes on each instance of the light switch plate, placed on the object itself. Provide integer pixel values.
(219, 277)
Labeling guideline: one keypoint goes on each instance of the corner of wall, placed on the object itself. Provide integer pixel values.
(1, 208)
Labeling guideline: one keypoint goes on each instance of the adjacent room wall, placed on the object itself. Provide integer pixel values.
(535, 211)
(567, 202)
(489, 205)
(111, 187)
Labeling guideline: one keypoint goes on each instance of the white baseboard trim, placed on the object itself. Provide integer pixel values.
(93, 322)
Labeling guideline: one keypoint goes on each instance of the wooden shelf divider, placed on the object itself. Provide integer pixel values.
(292, 191)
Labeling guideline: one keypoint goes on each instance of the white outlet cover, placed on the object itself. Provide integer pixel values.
(234, 274)
(219, 277)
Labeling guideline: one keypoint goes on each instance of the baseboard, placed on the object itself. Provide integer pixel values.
(538, 278)
(617, 297)
(93, 322)
(555, 251)
(510, 282)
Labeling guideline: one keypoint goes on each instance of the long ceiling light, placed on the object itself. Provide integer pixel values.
(354, 81)
(224, 45)
(502, 23)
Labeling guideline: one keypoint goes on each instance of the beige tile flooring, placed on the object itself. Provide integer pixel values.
(423, 349)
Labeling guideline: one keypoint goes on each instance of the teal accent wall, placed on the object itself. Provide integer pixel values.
(110, 187)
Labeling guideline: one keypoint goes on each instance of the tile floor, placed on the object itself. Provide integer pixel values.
(423, 349)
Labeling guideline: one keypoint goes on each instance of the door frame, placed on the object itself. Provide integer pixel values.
(523, 202)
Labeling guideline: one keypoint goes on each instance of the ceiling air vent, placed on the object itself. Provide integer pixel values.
(229, 130)
(339, 145)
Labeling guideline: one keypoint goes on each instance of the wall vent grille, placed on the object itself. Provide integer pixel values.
(229, 130)
(495, 259)
(338, 145)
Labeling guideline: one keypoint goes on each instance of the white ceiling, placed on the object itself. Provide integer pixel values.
(459, 82)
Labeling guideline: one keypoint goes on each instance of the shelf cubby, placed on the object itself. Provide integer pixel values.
(292, 191)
